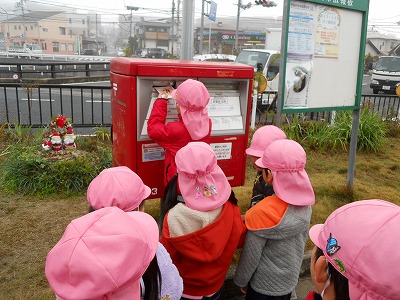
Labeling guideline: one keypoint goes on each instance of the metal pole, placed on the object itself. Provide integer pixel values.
(237, 26)
(172, 27)
(187, 30)
(40, 43)
(281, 68)
(201, 28)
(209, 39)
(130, 34)
(353, 149)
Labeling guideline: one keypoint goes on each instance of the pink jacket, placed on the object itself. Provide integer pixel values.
(172, 136)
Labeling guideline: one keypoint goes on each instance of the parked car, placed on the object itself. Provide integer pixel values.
(91, 52)
(155, 53)
(215, 57)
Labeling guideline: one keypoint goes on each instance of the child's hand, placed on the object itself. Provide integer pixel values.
(243, 290)
(165, 93)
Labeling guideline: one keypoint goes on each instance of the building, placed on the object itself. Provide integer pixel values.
(57, 32)
(380, 44)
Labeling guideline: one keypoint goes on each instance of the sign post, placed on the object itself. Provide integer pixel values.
(323, 47)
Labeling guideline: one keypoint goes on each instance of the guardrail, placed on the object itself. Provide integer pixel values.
(30, 105)
(58, 57)
(20, 69)
(90, 105)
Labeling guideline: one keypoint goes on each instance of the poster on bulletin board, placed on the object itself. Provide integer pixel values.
(323, 55)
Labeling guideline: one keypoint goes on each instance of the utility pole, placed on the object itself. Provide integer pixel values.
(187, 30)
(172, 27)
(97, 44)
(130, 26)
(240, 6)
(21, 4)
(201, 28)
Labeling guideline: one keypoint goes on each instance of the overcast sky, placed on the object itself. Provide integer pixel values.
(383, 13)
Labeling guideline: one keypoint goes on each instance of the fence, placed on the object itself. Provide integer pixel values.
(19, 69)
(89, 106)
(34, 105)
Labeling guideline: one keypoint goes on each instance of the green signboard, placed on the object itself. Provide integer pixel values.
(323, 55)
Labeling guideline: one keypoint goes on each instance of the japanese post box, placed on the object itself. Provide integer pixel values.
(134, 85)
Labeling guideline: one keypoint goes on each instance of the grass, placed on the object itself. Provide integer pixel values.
(30, 226)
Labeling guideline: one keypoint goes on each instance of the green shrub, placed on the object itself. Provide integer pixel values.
(30, 171)
(322, 136)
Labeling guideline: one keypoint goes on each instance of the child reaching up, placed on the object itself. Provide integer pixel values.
(277, 226)
(194, 124)
(355, 254)
(262, 137)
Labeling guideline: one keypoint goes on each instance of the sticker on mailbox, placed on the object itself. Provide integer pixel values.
(222, 150)
(152, 152)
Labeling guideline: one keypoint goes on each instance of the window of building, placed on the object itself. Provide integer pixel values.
(15, 27)
(83, 21)
(62, 30)
(84, 33)
(161, 30)
(45, 46)
(151, 29)
(162, 43)
(19, 27)
(26, 28)
(45, 30)
(70, 47)
(63, 47)
(55, 47)
(31, 27)
(70, 32)
(70, 20)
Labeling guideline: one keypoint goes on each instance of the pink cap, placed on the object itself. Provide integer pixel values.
(286, 159)
(262, 137)
(202, 182)
(361, 240)
(117, 186)
(102, 255)
(193, 97)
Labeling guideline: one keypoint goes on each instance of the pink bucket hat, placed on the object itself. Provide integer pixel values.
(286, 159)
(361, 240)
(202, 182)
(118, 186)
(102, 255)
(262, 137)
(193, 97)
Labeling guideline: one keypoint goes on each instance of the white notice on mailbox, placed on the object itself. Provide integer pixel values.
(222, 150)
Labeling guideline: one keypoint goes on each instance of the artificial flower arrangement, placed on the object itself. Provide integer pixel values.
(60, 135)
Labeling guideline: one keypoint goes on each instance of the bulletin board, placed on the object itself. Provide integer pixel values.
(323, 55)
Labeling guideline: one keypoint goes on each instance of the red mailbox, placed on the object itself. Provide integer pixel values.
(134, 83)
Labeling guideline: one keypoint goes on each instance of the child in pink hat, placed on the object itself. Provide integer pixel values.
(102, 255)
(194, 124)
(202, 233)
(356, 252)
(123, 188)
(277, 226)
(262, 137)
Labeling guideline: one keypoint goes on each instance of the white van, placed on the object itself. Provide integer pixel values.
(386, 74)
(267, 60)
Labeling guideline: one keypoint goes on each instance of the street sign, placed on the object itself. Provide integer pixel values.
(213, 11)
